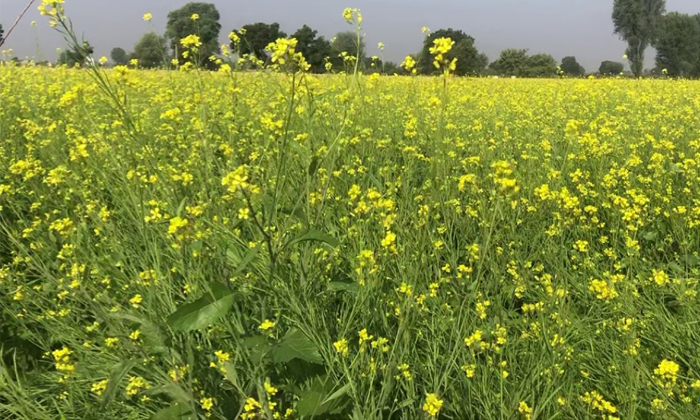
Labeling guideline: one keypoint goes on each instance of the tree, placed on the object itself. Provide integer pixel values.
(571, 67)
(636, 22)
(119, 56)
(511, 62)
(77, 55)
(469, 60)
(611, 68)
(540, 65)
(206, 26)
(678, 44)
(151, 50)
(346, 42)
(2, 32)
(314, 49)
(255, 37)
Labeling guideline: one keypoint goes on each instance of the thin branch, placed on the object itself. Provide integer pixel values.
(2, 40)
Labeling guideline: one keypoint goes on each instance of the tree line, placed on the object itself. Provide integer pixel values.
(641, 23)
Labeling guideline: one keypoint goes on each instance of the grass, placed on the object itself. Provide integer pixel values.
(261, 245)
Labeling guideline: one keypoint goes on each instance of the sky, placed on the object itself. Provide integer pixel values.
(582, 28)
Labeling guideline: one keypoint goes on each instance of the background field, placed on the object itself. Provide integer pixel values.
(377, 247)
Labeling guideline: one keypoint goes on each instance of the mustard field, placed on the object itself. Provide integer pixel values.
(259, 245)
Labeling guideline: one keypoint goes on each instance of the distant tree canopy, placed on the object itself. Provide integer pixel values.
(511, 62)
(119, 56)
(637, 22)
(346, 42)
(255, 37)
(469, 60)
(571, 67)
(516, 62)
(678, 44)
(77, 55)
(314, 48)
(206, 26)
(640, 23)
(151, 51)
(610, 68)
(540, 65)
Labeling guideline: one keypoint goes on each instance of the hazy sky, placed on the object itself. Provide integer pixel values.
(558, 27)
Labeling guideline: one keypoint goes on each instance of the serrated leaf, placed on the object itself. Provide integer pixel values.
(315, 235)
(176, 411)
(117, 374)
(204, 311)
(296, 345)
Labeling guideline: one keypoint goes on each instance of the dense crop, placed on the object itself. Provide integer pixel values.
(284, 245)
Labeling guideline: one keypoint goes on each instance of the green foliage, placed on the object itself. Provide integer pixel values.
(571, 67)
(611, 68)
(678, 44)
(265, 245)
(511, 62)
(151, 51)
(76, 55)
(314, 48)
(207, 27)
(257, 36)
(119, 56)
(204, 311)
(295, 345)
(637, 22)
(469, 59)
(177, 411)
(540, 65)
(345, 43)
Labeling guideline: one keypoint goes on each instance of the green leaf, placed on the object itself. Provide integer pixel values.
(691, 260)
(310, 403)
(313, 166)
(315, 401)
(650, 236)
(181, 207)
(676, 267)
(119, 371)
(176, 411)
(242, 263)
(296, 345)
(230, 373)
(341, 286)
(337, 394)
(204, 311)
(152, 337)
(315, 235)
(176, 393)
(258, 346)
